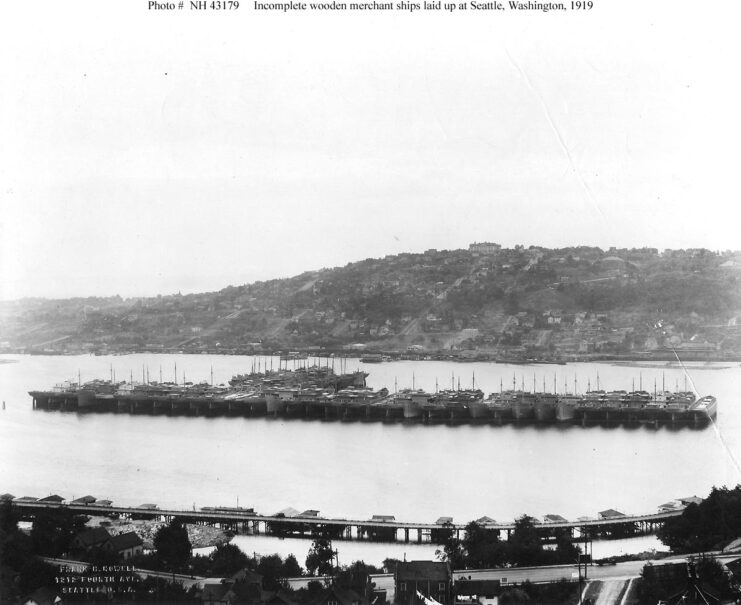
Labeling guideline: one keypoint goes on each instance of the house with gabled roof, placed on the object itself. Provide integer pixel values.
(431, 579)
(336, 595)
(125, 545)
(95, 537)
(242, 588)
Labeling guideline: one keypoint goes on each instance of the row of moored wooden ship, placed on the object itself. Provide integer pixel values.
(318, 392)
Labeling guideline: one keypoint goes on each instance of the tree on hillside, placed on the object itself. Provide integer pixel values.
(291, 567)
(270, 567)
(355, 576)
(525, 545)
(452, 551)
(319, 560)
(227, 559)
(705, 526)
(53, 530)
(172, 544)
(483, 548)
(389, 565)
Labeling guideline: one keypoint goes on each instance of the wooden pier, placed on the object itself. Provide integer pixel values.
(388, 409)
(310, 527)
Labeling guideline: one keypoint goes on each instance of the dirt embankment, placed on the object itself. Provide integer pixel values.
(200, 535)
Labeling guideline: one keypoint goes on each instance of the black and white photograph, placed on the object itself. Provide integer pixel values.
(420, 302)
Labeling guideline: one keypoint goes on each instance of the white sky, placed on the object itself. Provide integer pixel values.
(146, 152)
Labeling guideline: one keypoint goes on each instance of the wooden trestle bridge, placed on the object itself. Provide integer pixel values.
(386, 530)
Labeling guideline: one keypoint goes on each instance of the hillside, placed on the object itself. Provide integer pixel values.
(484, 301)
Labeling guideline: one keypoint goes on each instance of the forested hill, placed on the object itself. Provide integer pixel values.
(486, 300)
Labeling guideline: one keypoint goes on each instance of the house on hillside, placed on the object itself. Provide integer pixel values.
(125, 545)
(430, 579)
(243, 588)
(335, 595)
(90, 539)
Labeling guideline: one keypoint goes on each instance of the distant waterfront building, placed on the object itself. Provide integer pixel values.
(610, 513)
(484, 247)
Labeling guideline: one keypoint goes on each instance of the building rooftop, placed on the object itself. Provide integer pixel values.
(423, 570)
(92, 537)
(128, 540)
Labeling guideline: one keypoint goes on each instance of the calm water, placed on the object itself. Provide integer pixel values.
(355, 470)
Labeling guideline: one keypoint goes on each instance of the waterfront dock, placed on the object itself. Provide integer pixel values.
(318, 393)
(364, 406)
(379, 528)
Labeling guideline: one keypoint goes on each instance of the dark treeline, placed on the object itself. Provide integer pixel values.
(22, 570)
(709, 525)
(681, 583)
(482, 548)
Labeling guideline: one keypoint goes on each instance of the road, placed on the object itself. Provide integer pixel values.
(553, 573)
(185, 580)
